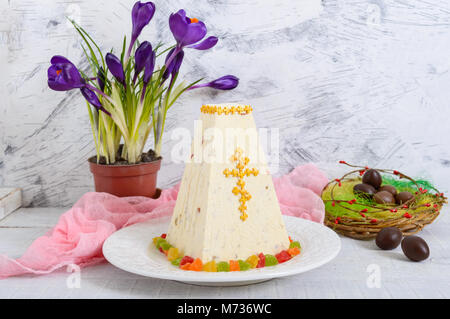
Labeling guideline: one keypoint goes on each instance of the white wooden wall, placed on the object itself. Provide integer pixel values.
(367, 81)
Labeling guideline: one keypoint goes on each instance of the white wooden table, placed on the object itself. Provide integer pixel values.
(348, 276)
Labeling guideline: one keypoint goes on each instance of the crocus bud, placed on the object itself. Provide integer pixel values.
(149, 67)
(227, 82)
(141, 14)
(116, 68)
(101, 78)
(92, 98)
(174, 65)
(143, 53)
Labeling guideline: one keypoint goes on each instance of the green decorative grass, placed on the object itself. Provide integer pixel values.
(345, 193)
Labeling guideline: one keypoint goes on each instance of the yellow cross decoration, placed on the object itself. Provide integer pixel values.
(240, 172)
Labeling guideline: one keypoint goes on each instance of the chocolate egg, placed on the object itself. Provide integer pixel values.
(403, 197)
(388, 188)
(389, 238)
(415, 248)
(372, 177)
(384, 197)
(364, 189)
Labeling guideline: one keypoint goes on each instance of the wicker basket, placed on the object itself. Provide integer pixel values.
(410, 217)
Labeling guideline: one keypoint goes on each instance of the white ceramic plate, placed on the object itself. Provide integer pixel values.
(132, 250)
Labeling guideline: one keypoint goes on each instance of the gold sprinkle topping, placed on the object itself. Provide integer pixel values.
(241, 162)
(213, 109)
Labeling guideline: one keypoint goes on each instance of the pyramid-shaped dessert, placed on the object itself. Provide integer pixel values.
(227, 208)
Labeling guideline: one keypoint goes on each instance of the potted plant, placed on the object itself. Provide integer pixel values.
(128, 97)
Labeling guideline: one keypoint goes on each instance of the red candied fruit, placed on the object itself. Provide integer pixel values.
(283, 256)
(186, 260)
(262, 261)
(164, 236)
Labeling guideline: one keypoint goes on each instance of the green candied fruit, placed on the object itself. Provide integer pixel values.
(165, 246)
(295, 244)
(271, 260)
(243, 266)
(176, 262)
(223, 266)
(160, 241)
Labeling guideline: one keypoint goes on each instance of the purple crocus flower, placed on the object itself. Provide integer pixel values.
(92, 98)
(141, 14)
(227, 82)
(116, 68)
(188, 32)
(143, 53)
(63, 75)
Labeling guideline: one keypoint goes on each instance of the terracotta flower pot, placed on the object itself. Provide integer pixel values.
(126, 180)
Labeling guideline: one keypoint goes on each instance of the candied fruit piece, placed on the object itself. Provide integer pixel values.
(290, 239)
(210, 266)
(164, 236)
(160, 241)
(234, 265)
(262, 261)
(155, 239)
(223, 266)
(253, 261)
(176, 262)
(294, 244)
(271, 260)
(197, 265)
(172, 253)
(186, 266)
(283, 256)
(243, 266)
(294, 251)
(165, 246)
(186, 260)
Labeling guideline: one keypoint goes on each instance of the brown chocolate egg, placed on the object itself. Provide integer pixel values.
(388, 188)
(415, 248)
(384, 197)
(388, 238)
(365, 189)
(372, 177)
(403, 197)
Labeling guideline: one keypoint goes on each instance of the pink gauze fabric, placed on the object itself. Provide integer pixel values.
(80, 232)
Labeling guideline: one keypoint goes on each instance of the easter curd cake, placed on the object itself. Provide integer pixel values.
(227, 215)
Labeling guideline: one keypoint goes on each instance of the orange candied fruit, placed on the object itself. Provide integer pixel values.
(186, 266)
(234, 265)
(294, 251)
(197, 265)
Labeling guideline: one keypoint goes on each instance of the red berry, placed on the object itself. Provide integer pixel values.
(283, 256)
(373, 221)
(186, 260)
(262, 261)
(163, 235)
(364, 210)
(406, 215)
